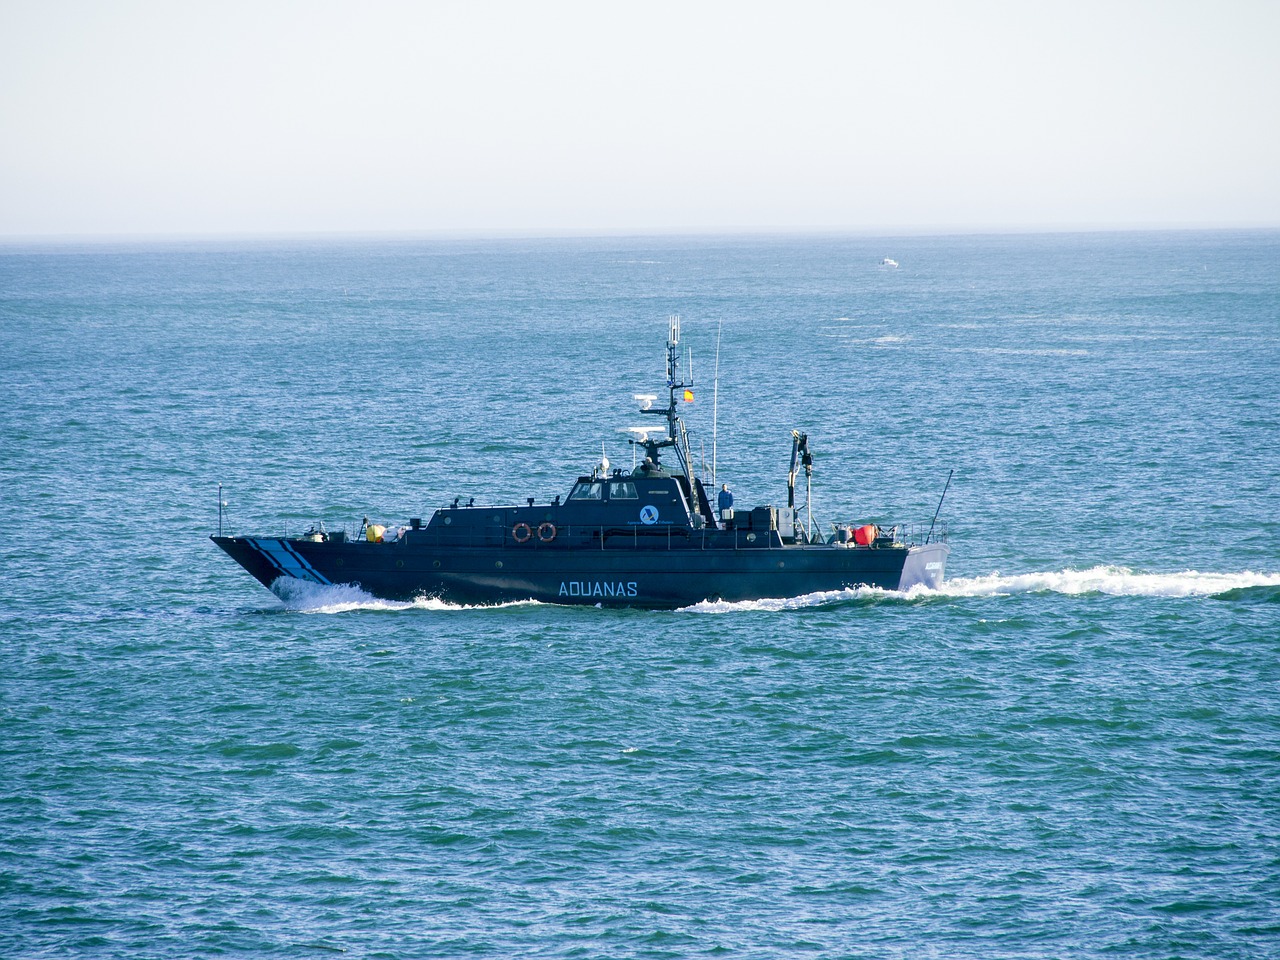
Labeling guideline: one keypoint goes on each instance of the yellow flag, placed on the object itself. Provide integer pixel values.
(688, 396)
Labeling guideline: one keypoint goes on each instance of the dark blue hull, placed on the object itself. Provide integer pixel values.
(674, 574)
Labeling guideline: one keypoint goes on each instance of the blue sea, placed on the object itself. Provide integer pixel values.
(1071, 750)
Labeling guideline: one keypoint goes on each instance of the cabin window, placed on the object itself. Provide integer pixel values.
(622, 491)
(588, 491)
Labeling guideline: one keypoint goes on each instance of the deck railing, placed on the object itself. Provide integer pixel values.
(640, 537)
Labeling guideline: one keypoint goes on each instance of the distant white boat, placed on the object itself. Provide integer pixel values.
(886, 262)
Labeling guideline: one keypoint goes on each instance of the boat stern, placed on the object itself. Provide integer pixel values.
(925, 566)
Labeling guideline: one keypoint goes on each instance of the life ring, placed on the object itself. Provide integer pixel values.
(521, 532)
(546, 532)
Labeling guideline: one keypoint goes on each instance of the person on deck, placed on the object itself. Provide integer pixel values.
(726, 503)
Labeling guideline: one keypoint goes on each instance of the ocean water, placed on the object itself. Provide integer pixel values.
(1071, 750)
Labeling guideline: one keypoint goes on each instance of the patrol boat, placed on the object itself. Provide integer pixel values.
(647, 537)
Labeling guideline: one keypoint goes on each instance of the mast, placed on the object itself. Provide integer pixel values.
(678, 382)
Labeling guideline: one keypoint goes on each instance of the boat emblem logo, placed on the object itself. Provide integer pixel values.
(649, 514)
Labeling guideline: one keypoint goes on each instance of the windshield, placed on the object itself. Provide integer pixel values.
(588, 491)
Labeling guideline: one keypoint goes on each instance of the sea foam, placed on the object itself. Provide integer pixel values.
(1113, 581)
(299, 596)
(1106, 580)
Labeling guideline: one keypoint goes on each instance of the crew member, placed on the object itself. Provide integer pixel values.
(726, 503)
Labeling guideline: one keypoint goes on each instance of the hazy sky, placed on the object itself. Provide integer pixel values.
(132, 117)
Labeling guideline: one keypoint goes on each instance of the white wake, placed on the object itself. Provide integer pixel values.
(300, 596)
(1110, 581)
(1113, 581)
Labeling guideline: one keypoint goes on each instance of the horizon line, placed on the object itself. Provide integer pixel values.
(571, 233)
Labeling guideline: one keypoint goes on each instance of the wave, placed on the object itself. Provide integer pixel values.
(300, 596)
(1106, 580)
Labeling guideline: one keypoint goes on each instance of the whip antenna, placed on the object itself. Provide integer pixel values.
(715, 405)
(939, 510)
